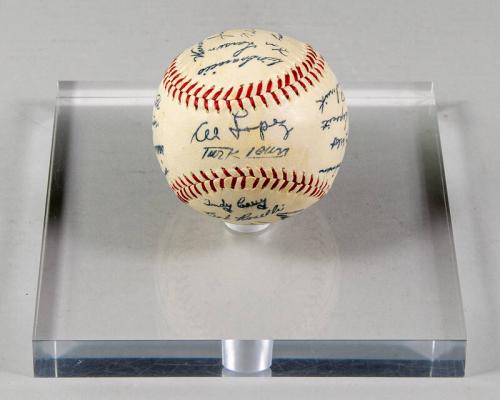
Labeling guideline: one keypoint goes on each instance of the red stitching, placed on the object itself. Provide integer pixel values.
(204, 188)
(191, 87)
(205, 95)
(195, 178)
(217, 94)
(259, 88)
(275, 97)
(185, 195)
(283, 90)
(269, 86)
(204, 175)
(246, 94)
(301, 75)
(198, 91)
(239, 171)
(187, 190)
(283, 186)
(196, 190)
(191, 191)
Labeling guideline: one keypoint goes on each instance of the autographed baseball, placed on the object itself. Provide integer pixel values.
(250, 126)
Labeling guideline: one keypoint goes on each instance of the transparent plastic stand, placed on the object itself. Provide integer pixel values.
(134, 283)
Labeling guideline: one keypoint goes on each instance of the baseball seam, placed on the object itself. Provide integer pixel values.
(298, 78)
(193, 186)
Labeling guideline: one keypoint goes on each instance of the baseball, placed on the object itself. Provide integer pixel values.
(250, 126)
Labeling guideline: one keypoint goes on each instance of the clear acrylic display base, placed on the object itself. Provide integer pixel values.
(134, 283)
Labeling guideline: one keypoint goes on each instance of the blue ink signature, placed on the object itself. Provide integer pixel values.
(323, 102)
(200, 136)
(248, 33)
(245, 43)
(275, 47)
(261, 204)
(225, 206)
(329, 169)
(199, 52)
(287, 214)
(262, 127)
(214, 215)
(221, 35)
(271, 211)
(219, 152)
(267, 61)
(268, 152)
(327, 123)
(337, 142)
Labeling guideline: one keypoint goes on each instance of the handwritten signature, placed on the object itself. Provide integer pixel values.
(279, 49)
(261, 204)
(214, 215)
(323, 102)
(277, 210)
(201, 135)
(337, 143)
(267, 152)
(275, 47)
(244, 43)
(262, 127)
(198, 52)
(271, 211)
(288, 214)
(223, 204)
(327, 123)
(221, 35)
(224, 152)
(329, 169)
(240, 61)
(219, 152)
(248, 33)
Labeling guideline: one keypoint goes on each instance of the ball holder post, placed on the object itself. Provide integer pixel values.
(247, 228)
(247, 356)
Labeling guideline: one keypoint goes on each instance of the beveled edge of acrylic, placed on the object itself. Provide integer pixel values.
(292, 358)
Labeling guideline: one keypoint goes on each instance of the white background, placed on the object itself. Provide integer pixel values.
(454, 43)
